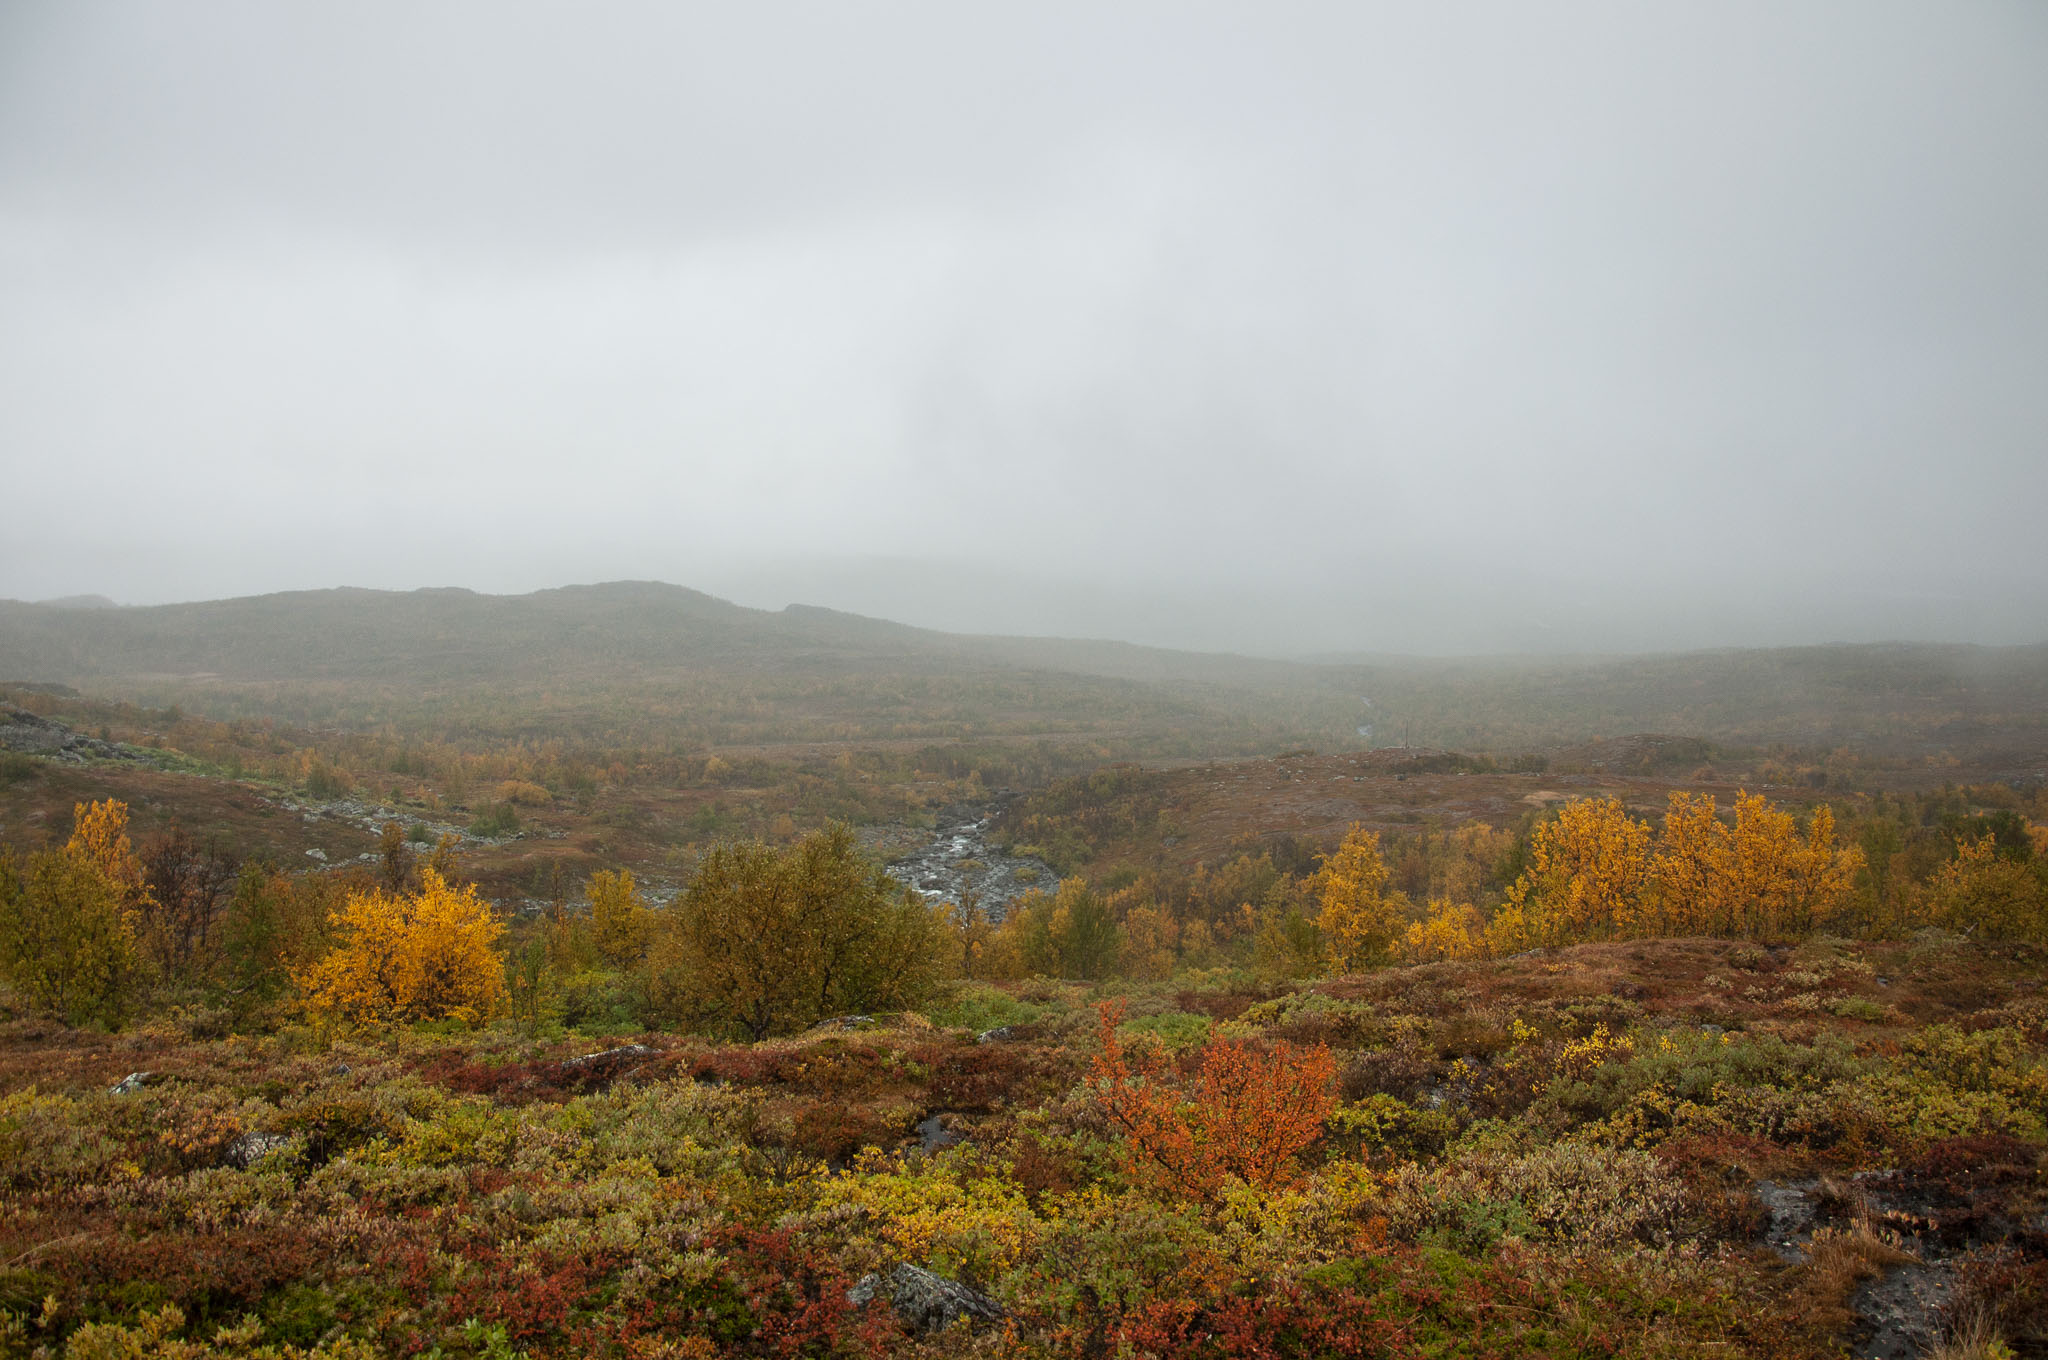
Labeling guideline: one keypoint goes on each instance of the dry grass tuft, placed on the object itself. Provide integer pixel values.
(1971, 1338)
(1838, 1260)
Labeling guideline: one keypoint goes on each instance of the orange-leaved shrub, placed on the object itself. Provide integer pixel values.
(1248, 1112)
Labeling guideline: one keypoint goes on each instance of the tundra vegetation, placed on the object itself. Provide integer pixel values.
(1651, 1047)
(1524, 1109)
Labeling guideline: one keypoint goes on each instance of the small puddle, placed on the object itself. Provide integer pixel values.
(933, 1134)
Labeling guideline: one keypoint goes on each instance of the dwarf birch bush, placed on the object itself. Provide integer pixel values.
(426, 956)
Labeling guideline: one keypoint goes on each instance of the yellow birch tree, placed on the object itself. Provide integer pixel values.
(1781, 882)
(427, 956)
(1693, 870)
(99, 836)
(1358, 918)
(1587, 872)
(620, 921)
(1451, 930)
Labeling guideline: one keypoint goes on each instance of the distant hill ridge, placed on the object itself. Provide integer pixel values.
(349, 632)
(328, 653)
(354, 632)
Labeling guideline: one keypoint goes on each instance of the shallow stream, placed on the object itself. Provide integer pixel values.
(962, 858)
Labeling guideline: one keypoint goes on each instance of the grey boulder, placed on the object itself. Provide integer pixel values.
(611, 1057)
(253, 1147)
(926, 1302)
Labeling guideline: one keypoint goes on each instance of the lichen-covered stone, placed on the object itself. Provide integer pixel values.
(926, 1302)
(253, 1147)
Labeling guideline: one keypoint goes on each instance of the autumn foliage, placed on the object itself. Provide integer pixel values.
(1359, 919)
(1248, 1113)
(99, 837)
(1984, 893)
(619, 917)
(1451, 930)
(1759, 876)
(1588, 870)
(430, 955)
(1597, 873)
(68, 919)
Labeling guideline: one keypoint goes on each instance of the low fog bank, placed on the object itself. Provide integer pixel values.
(1386, 327)
(1425, 608)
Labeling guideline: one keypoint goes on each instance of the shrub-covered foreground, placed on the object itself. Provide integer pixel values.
(1651, 1148)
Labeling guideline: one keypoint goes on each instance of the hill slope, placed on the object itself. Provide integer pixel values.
(670, 664)
(676, 665)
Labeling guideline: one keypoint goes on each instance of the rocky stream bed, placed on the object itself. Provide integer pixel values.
(962, 859)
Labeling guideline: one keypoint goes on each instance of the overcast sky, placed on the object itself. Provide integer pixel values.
(1436, 326)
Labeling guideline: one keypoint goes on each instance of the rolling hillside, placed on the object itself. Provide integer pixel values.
(684, 666)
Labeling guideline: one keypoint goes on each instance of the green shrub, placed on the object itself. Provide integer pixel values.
(1568, 1194)
(333, 1128)
(1701, 1068)
(466, 1133)
(599, 1002)
(677, 1128)
(1175, 1029)
(52, 1141)
(324, 781)
(299, 1314)
(979, 1007)
(1311, 1017)
(499, 819)
(1386, 1124)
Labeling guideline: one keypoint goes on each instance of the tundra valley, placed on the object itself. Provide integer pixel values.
(616, 971)
(1067, 680)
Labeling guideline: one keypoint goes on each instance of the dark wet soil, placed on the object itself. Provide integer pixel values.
(1899, 1314)
(1960, 1195)
(1791, 1208)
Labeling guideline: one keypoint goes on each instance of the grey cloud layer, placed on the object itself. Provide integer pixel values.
(1433, 326)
